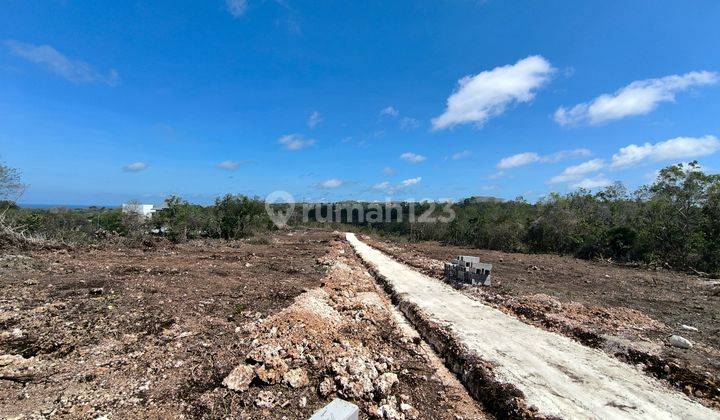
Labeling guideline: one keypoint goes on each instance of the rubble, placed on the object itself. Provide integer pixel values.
(385, 382)
(265, 399)
(239, 379)
(296, 378)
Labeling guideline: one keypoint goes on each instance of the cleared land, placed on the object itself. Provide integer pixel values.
(156, 332)
(557, 375)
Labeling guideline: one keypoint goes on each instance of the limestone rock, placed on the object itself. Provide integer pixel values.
(385, 382)
(409, 411)
(265, 399)
(327, 387)
(240, 377)
(296, 378)
(681, 342)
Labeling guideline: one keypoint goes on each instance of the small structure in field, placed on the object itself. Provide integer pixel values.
(143, 210)
(468, 270)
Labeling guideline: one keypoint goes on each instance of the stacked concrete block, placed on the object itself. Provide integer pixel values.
(337, 410)
(468, 269)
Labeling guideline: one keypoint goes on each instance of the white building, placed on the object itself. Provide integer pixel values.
(144, 210)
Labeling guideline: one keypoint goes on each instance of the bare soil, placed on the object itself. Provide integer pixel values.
(629, 312)
(156, 331)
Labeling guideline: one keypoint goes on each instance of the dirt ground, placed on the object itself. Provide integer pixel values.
(628, 311)
(272, 327)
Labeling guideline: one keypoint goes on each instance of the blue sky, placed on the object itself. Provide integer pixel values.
(103, 102)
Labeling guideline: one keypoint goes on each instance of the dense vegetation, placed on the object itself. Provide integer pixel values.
(675, 221)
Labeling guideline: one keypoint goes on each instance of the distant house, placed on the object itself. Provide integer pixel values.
(144, 210)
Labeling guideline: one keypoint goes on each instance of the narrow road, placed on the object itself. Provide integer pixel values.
(557, 375)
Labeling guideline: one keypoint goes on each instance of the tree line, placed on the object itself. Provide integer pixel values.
(675, 221)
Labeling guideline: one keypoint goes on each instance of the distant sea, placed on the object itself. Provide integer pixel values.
(66, 206)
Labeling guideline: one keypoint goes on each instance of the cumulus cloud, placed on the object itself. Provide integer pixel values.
(520, 159)
(485, 95)
(638, 98)
(52, 60)
(331, 183)
(314, 119)
(574, 173)
(295, 142)
(526, 158)
(599, 181)
(236, 8)
(676, 148)
(387, 187)
(389, 111)
(135, 167)
(230, 165)
(412, 157)
(410, 182)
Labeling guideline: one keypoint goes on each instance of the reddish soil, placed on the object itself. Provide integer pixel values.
(628, 311)
(154, 332)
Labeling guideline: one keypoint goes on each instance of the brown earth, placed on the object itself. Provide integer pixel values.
(156, 332)
(629, 312)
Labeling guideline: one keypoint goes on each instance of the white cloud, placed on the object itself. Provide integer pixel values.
(677, 148)
(598, 181)
(135, 167)
(408, 123)
(314, 119)
(410, 182)
(52, 60)
(392, 189)
(573, 173)
(526, 158)
(382, 186)
(236, 8)
(295, 142)
(331, 183)
(519, 159)
(230, 165)
(460, 155)
(389, 111)
(637, 98)
(485, 95)
(389, 171)
(412, 157)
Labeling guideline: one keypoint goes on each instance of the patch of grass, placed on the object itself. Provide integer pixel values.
(240, 308)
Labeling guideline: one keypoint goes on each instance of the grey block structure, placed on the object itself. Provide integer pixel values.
(468, 269)
(337, 410)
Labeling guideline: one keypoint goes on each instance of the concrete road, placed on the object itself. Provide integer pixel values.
(557, 375)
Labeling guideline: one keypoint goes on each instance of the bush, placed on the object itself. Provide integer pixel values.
(239, 216)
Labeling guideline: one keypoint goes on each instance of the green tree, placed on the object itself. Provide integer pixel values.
(238, 216)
